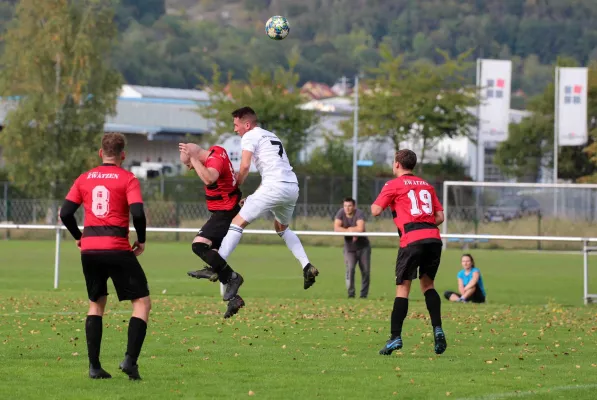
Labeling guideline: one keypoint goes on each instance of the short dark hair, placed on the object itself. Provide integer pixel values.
(113, 144)
(471, 257)
(350, 199)
(407, 158)
(245, 113)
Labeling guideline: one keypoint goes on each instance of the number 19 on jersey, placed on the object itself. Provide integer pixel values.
(420, 202)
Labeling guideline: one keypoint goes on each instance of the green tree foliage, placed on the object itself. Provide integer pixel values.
(174, 48)
(55, 61)
(530, 143)
(144, 11)
(275, 99)
(334, 158)
(423, 103)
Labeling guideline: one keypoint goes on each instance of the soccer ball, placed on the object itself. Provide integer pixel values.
(277, 27)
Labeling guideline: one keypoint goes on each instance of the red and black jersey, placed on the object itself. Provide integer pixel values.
(224, 194)
(413, 203)
(106, 193)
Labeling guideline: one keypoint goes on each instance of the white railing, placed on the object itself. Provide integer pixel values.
(582, 241)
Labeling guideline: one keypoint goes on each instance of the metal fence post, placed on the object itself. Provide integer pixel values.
(539, 229)
(5, 216)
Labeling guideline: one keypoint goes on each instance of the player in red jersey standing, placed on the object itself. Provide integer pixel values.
(223, 198)
(417, 213)
(108, 193)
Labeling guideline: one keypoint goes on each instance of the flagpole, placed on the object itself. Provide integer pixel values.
(556, 127)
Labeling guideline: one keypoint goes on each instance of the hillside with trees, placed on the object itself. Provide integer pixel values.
(175, 43)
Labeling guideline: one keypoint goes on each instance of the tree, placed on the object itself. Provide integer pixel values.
(331, 159)
(56, 62)
(422, 104)
(274, 97)
(530, 144)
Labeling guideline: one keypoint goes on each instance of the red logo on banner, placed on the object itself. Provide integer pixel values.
(577, 89)
(501, 83)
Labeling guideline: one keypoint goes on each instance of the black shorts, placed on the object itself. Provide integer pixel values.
(424, 256)
(122, 267)
(478, 296)
(216, 227)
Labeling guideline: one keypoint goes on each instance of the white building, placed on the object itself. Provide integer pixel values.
(155, 119)
(334, 111)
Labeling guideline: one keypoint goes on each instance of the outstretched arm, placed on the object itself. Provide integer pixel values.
(245, 166)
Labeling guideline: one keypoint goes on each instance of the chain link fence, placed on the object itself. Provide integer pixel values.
(180, 203)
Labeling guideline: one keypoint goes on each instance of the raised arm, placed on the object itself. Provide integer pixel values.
(208, 175)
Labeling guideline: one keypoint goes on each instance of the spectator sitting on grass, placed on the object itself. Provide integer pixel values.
(470, 283)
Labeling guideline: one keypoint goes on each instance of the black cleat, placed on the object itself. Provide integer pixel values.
(233, 306)
(440, 340)
(309, 273)
(206, 273)
(391, 345)
(130, 368)
(98, 373)
(232, 286)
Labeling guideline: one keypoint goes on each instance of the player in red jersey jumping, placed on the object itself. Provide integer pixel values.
(223, 198)
(417, 213)
(108, 193)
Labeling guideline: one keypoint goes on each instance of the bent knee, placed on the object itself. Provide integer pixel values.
(279, 227)
(200, 248)
(144, 303)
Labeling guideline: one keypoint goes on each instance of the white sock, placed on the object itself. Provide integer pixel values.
(295, 246)
(230, 241)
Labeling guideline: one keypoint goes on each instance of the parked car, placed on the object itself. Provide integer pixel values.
(512, 207)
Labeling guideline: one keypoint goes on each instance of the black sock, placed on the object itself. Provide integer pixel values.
(398, 315)
(137, 330)
(219, 265)
(93, 332)
(434, 306)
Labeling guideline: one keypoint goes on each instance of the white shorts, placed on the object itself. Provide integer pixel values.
(279, 199)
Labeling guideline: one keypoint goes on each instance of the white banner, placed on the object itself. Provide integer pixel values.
(494, 78)
(571, 106)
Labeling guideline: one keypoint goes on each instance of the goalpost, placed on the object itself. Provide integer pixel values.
(538, 212)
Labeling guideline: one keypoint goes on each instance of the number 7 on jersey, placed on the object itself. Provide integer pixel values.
(279, 144)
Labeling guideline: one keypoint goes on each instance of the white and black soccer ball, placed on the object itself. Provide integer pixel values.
(277, 27)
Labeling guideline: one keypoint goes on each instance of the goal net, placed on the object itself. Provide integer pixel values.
(528, 216)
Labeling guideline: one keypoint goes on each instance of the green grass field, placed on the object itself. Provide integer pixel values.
(533, 339)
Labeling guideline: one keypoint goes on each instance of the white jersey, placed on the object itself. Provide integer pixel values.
(269, 156)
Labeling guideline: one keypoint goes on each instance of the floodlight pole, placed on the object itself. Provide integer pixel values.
(355, 139)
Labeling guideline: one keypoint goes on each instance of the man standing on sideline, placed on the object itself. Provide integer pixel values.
(108, 194)
(417, 213)
(356, 248)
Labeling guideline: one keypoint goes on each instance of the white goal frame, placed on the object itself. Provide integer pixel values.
(588, 298)
(586, 249)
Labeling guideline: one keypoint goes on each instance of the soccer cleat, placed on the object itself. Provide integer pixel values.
(440, 340)
(309, 273)
(391, 345)
(98, 373)
(130, 368)
(206, 273)
(234, 306)
(232, 286)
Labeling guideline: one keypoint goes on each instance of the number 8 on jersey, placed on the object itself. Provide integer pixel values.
(100, 201)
